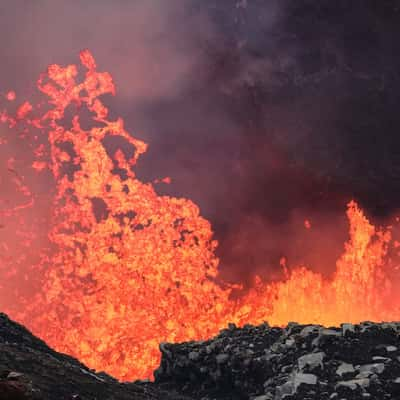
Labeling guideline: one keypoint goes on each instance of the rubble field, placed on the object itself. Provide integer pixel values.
(298, 362)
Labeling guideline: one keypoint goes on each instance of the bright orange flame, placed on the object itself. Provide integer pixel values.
(129, 268)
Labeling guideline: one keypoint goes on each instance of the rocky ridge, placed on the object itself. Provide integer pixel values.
(299, 362)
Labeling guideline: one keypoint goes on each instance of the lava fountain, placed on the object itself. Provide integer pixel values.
(125, 268)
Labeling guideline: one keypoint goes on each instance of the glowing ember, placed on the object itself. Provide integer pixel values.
(10, 96)
(127, 268)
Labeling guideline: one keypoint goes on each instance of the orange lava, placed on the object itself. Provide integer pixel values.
(127, 268)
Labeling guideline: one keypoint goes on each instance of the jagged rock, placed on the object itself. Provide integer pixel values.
(309, 330)
(194, 355)
(313, 360)
(347, 328)
(284, 390)
(372, 368)
(293, 363)
(222, 358)
(13, 390)
(303, 379)
(345, 368)
(353, 384)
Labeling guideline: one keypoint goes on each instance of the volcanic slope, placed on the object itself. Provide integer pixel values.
(30, 370)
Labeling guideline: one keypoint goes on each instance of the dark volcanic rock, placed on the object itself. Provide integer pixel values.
(295, 363)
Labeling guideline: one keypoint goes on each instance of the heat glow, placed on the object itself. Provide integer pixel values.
(126, 268)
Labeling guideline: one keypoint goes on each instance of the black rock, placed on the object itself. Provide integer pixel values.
(296, 363)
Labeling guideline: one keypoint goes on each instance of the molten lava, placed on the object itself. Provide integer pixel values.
(126, 268)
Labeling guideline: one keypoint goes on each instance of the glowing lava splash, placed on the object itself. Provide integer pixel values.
(127, 268)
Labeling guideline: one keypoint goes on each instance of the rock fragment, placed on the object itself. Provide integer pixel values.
(345, 368)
